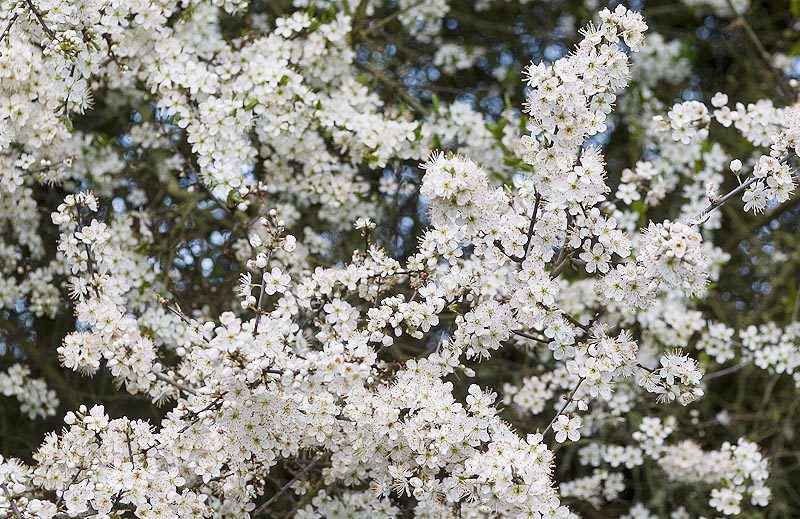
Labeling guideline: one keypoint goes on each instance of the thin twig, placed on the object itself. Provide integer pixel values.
(716, 203)
(71, 482)
(8, 27)
(39, 18)
(261, 294)
(380, 23)
(216, 403)
(533, 224)
(564, 407)
(285, 487)
(563, 262)
(130, 448)
(397, 86)
(584, 327)
(177, 311)
(765, 55)
(14, 508)
(726, 371)
(89, 257)
(796, 308)
(182, 387)
(531, 337)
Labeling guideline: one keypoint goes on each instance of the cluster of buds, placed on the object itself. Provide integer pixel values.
(275, 281)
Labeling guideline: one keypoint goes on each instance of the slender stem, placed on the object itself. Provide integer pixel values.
(563, 262)
(8, 27)
(261, 294)
(564, 407)
(182, 387)
(531, 337)
(584, 327)
(646, 368)
(71, 482)
(89, 258)
(533, 223)
(285, 487)
(39, 18)
(216, 403)
(796, 308)
(765, 56)
(165, 303)
(398, 88)
(380, 23)
(726, 371)
(128, 441)
(14, 508)
(713, 205)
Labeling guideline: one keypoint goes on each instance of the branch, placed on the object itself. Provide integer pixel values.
(563, 261)
(14, 509)
(8, 27)
(716, 203)
(533, 223)
(177, 311)
(285, 487)
(564, 407)
(39, 18)
(762, 51)
(398, 88)
(182, 387)
(261, 293)
(531, 337)
(726, 371)
(584, 327)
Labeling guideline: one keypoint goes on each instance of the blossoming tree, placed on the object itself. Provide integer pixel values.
(364, 259)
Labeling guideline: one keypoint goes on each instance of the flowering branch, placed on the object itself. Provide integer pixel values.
(8, 27)
(697, 220)
(39, 18)
(179, 313)
(182, 387)
(14, 509)
(564, 407)
(286, 487)
(538, 198)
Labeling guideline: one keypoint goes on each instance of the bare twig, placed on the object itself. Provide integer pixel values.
(285, 487)
(14, 508)
(182, 387)
(697, 220)
(531, 337)
(8, 27)
(563, 261)
(533, 224)
(39, 18)
(726, 371)
(762, 51)
(796, 308)
(261, 294)
(584, 327)
(564, 407)
(177, 311)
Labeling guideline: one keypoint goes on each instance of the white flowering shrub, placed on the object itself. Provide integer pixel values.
(389, 259)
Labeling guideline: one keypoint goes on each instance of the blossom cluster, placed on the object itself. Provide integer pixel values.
(332, 383)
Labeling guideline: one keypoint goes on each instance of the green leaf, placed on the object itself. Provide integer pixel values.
(233, 198)
(369, 158)
(435, 101)
(418, 132)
